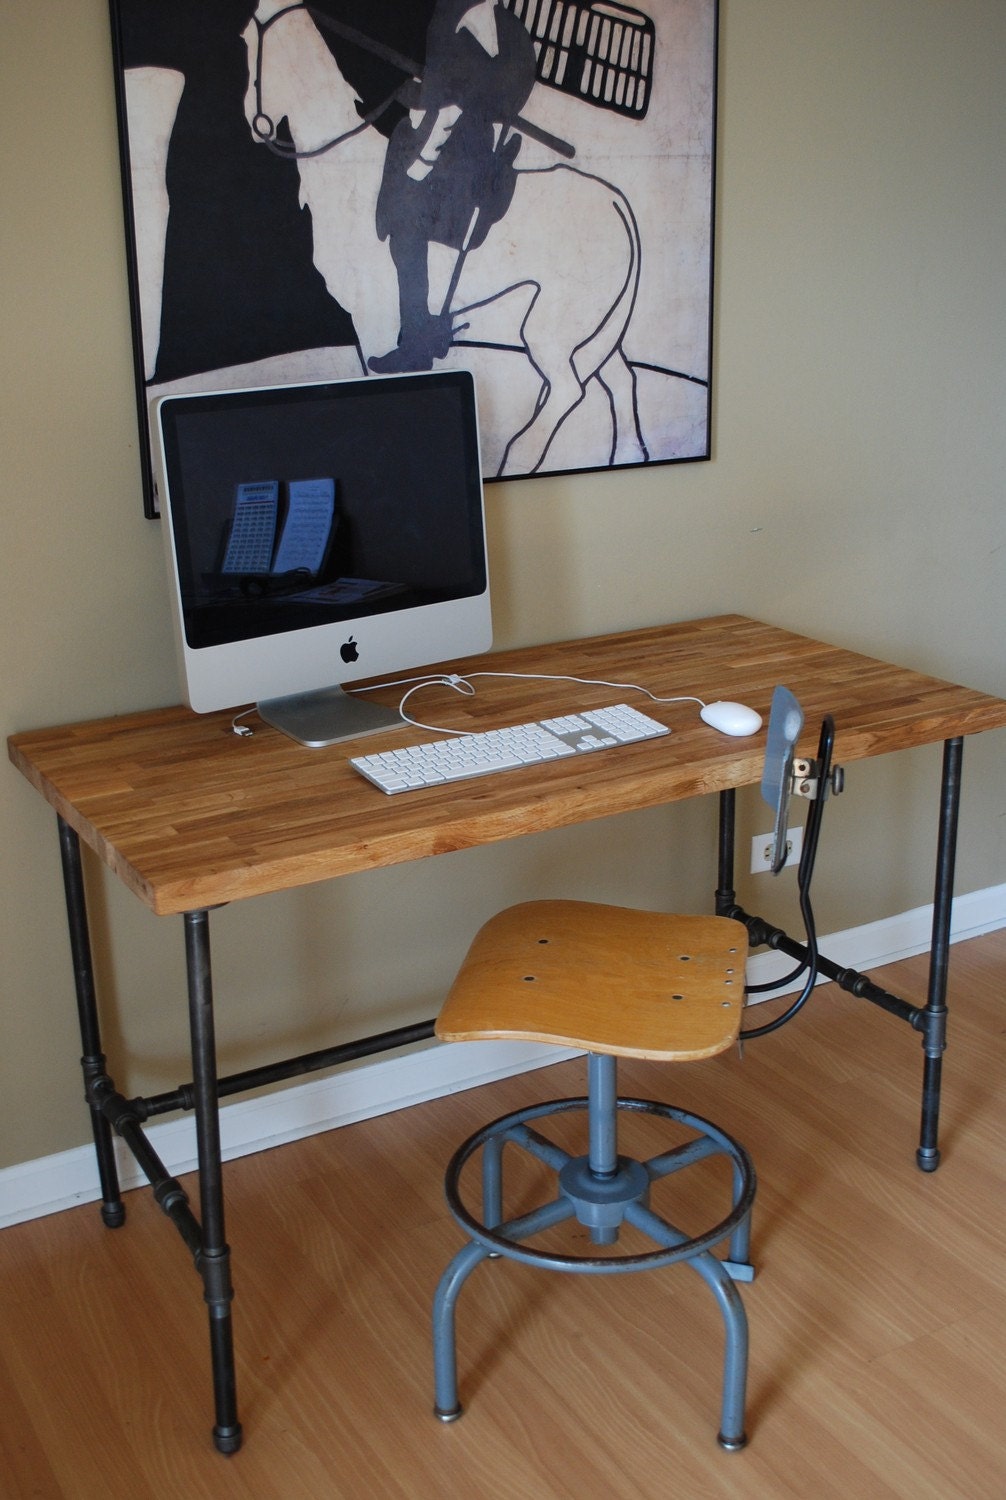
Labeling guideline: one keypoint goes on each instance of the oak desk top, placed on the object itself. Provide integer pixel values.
(189, 815)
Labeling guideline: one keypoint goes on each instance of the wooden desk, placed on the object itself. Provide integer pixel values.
(190, 817)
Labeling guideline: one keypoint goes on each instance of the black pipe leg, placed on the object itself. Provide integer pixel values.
(92, 1062)
(213, 1261)
(935, 1013)
(726, 896)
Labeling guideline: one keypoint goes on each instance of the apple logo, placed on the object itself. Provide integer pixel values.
(349, 650)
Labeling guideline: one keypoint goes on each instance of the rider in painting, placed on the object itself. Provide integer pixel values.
(449, 170)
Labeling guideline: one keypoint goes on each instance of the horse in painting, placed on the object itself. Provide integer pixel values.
(556, 278)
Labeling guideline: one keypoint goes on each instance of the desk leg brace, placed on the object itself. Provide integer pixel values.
(930, 1020)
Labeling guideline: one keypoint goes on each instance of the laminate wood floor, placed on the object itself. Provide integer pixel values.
(878, 1316)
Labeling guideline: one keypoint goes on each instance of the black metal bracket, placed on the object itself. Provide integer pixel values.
(168, 1192)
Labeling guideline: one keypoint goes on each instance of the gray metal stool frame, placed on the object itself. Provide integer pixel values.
(616, 981)
(602, 1190)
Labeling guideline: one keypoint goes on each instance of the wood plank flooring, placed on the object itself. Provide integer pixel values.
(878, 1316)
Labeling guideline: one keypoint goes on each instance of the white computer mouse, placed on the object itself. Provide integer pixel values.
(731, 718)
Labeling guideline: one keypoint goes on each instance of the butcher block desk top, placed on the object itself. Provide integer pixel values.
(190, 816)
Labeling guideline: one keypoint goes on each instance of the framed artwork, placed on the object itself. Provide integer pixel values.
(330, 188)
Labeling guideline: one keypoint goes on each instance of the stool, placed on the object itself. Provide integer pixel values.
(613, 982)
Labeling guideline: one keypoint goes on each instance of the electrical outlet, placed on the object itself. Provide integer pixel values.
(761, 849)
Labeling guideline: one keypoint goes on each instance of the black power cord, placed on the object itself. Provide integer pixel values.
(808, 856)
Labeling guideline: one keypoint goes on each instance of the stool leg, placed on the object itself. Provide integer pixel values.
(735, 1359)
(445, 1361)
(446, 1405)
(492, 1181)
(738, 1262)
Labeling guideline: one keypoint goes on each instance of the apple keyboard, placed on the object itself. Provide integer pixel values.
(457, 759)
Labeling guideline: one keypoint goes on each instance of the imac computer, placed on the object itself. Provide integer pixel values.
(319, 534)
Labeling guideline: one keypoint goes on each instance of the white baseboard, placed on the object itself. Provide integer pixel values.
(32, 1189)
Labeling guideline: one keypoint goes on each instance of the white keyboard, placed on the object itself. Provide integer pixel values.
(458, 759)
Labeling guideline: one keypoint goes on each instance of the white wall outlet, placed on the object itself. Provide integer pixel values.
(761, 849)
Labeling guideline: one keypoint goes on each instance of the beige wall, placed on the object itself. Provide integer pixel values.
(855, 492)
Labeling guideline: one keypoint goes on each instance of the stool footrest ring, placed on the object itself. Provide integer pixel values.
(503, 1238)
(602, 1190)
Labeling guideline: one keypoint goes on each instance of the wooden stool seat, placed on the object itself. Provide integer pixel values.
(608, 979)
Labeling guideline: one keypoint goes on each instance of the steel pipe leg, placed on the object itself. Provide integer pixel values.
(113, 1211)
(935, 1013)
(726, 896)
(213, 1260)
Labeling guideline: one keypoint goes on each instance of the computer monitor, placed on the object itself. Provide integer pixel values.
(318, 534)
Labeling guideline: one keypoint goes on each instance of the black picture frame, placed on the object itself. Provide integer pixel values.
(581, 279)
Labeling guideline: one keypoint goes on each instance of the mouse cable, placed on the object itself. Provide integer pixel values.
(463, 685)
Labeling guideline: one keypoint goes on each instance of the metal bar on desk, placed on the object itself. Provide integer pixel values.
(213, 1261)
(762, 934)
(183, 1097)
(725, 893)
(935, 1038)
(113, 1210)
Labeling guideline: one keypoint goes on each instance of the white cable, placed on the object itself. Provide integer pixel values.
(627, 687)
(458, 684)
(464, 686)
(242, 729)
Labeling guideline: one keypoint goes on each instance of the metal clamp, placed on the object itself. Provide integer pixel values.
(805, 779)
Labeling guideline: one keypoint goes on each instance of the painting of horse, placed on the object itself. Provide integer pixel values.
(292, 202)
